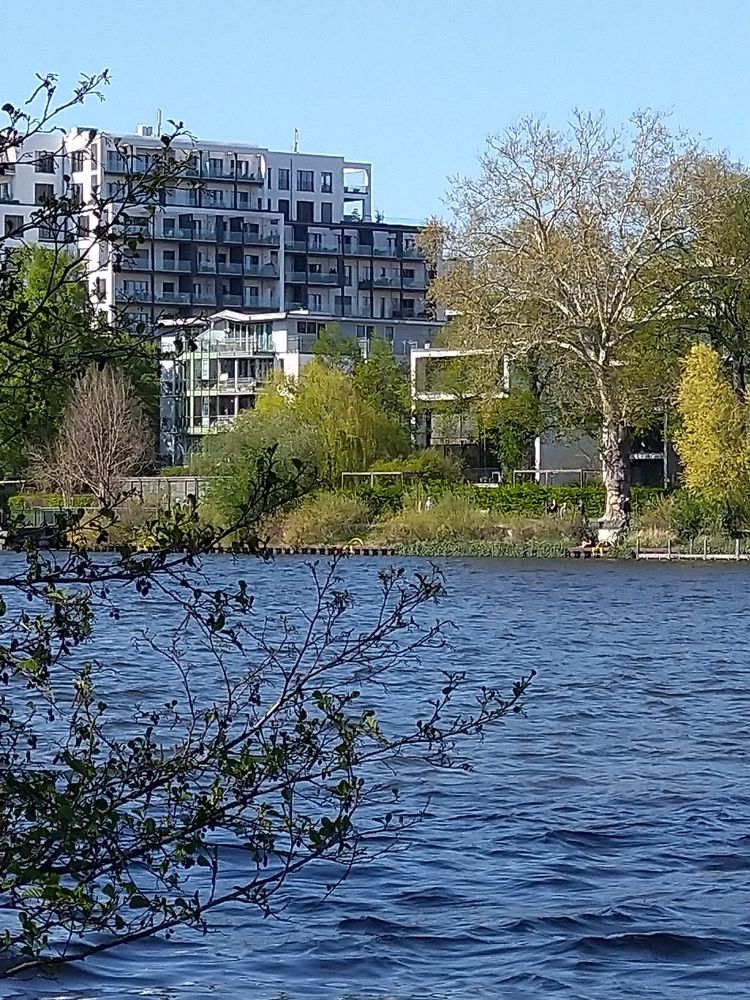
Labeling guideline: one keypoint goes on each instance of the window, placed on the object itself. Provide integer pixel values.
(13, 225)
(76, 194)
(43, 193)
(167, 286)
(388, 333)
(76, 161)
(347, 274)
(243, 199)
(326, 182)
(305, 211)
(315, 269)
(326, 211)
(283, 179)
(316, 302)
(169, 256)
(83, 225)
(305, 180)
(45, 163)
(409, 272)
(268, 177)
(168, 225)
(283, 207)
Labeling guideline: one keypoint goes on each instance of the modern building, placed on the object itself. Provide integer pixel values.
(557, 460)
(242, 227)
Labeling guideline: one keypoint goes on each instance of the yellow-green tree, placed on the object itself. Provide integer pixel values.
(350, 433)
(713, 441)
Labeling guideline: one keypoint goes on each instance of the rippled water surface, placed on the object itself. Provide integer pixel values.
(600, 848)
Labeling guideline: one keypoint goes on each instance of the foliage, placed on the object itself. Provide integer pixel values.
(175, 470)
(235, 460)
(572, 245)
(712, 440)
(348, 432)
(512, 423)
(430, 466)
(324, 519)
(532, 499)
(487, 550)
(334, 349)
(383, 383)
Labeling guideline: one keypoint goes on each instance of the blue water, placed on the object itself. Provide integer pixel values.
(600, 847)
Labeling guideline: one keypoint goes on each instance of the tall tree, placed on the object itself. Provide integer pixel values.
(573, 244)
(381, 381)
(712, 440)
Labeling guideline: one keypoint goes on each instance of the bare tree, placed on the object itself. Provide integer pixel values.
(104, 437)
(572, 245)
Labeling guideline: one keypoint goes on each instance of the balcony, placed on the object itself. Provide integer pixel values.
(263, 239)
(360, 189)
(175, 265)
(325, 249)
(295, 277)
(385, 251)
(386, 281)
(261, 270)
(320, 278)
(233, 236)
(230, 267)
(202, 298)
(178, 298)
(207, 267)
(133, 295)
(299, 246)
(412, 252)
(228, 299)
(136, 264)
(415, 282)
(265, 303)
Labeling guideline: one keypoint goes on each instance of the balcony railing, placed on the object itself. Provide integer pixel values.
(385, 251)
(386, 281)
(180, 298)
(175, 265)
(261, 270)
(355, 189)
(228, 299)
(324, 248)
(415, 282)
(262, 239)
(207, 266)
(133, 295)
(268, 303)
(136, 264)
(203, 298)
(320, 278)
(299, 246)
(230, 267)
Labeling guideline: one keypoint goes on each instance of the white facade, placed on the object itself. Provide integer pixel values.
(243, 228)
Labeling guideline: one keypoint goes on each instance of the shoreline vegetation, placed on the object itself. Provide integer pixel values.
(431, 519)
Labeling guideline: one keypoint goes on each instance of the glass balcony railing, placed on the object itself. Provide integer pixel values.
(230, 267)
(175, 265)
(261, 270)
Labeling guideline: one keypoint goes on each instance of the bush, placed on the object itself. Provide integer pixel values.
(531, 499)
(324, 519)
(430, 466)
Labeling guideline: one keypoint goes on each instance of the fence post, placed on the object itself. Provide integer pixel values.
(669, 548)
(737, 549)
(705, 548)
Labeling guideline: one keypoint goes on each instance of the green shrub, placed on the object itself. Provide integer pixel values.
(532, 499)
(324, 519)
(431, 467)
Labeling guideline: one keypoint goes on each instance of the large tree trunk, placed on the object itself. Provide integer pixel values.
(614, 452)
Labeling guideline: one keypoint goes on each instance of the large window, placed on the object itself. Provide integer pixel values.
(76, 161)
(326, 211)
(305, 180)
(305, 211)
(283, 179)
(43, 193)
(45, 163)
(326, 182)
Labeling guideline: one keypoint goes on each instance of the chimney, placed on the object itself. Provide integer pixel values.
(144, 130)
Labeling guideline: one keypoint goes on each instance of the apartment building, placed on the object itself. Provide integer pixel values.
(242, 228)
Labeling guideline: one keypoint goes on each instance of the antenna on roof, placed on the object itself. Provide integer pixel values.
(158, 121)
(296, 140)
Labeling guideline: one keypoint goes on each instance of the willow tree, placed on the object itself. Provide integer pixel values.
(574, 245)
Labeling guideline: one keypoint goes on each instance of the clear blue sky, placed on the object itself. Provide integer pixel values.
(412, 85)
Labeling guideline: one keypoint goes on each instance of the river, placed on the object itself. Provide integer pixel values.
(599, 849)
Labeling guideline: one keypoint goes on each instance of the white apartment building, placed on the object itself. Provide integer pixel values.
(243, 228)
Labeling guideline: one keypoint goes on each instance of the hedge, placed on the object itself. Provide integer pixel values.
(531, 499)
